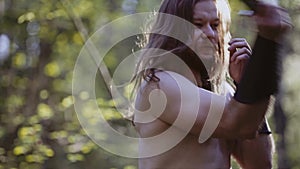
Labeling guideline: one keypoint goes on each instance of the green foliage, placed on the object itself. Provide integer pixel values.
(38, 125)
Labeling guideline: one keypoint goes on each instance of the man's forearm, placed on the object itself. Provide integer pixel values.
(262, 74)
(255, 153)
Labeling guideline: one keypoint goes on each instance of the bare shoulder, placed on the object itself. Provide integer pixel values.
(153, 99)
(172, 81)
(168, 83)
(163, 93)
(173, 89)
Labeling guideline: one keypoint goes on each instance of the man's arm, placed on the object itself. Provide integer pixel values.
(182, 101)
(254, 153)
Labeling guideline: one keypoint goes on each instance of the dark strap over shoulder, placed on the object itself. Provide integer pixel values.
(264, 128)
(149, 75)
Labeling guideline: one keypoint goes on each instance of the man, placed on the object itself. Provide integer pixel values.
(218, 121)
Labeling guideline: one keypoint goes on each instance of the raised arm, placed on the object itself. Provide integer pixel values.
(257, 153)
(181, 96)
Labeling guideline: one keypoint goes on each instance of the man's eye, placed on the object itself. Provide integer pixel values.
(215, 25)
(199, 25)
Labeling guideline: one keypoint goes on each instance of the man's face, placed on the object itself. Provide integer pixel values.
(206, 38)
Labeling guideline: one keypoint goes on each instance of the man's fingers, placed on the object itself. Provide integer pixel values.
(237, 44)
(234, 40)
(272, 21)
(243, 57)
(285, 20)
(243, 51)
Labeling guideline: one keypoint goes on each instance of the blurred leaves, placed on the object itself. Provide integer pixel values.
(38, 124)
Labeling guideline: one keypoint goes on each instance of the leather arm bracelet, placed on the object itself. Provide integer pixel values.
(262, 73)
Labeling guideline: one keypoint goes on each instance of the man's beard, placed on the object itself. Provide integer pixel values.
(211, 60)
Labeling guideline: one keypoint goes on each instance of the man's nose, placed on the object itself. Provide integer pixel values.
(209, 32)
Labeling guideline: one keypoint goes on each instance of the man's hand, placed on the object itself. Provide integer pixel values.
(272, 21)
(240, 53)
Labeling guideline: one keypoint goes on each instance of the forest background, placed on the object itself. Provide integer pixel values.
(40, 41)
